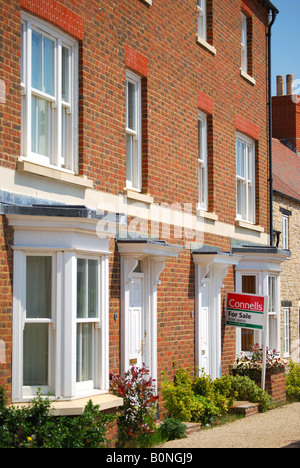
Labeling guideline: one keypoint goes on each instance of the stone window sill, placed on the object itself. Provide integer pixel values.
(76, 407)
(206, 45)
(207, 215)
(52, 173)
(248, 77)
(245, 225)
(141, 197)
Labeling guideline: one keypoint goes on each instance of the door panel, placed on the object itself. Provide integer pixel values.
(136, 323)
(204, 330)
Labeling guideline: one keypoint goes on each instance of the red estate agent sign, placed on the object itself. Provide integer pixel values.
(245, 310)
(249, 311)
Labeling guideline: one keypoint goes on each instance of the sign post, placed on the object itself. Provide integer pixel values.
(249, 311)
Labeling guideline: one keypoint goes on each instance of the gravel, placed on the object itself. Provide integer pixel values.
(278, 428)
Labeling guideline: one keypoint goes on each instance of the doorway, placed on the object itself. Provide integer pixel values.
(137, 333)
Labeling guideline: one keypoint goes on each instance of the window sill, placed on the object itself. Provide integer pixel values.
(52, 173)
(246, 225)
(206, 45)
(76, 407)
(248, 77)
(149, 2)
(141, 197)
(207, 215)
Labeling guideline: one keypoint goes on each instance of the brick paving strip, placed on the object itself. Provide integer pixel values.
(278, 428)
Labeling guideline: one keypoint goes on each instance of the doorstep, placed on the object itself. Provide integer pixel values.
(246, 408)
(192, 427)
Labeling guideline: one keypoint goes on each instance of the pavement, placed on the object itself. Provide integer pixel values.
(278, 428)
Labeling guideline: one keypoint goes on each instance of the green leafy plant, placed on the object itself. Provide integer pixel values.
(293, 381)
(251, 365)
(172, 429)
(180, 399)
(245, 389)
(136, 419)
(35, 426)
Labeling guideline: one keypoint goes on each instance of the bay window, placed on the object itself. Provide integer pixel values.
(49, 68)
(61, 311)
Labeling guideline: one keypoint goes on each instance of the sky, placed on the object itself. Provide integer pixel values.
(286, 42)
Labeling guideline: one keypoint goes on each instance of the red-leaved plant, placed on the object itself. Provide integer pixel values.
(136, 419)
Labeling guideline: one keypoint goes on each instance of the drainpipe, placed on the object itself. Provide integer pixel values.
(269, 34)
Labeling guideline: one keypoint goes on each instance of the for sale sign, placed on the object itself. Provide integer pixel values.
(245, 311)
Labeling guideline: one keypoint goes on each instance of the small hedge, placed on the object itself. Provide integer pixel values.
(293, 382)
(201, 400)
(34, 427)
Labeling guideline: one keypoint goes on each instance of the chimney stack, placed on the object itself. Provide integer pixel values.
(289, 84)
(280, 85)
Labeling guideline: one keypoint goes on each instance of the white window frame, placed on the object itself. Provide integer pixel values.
(245, 175)
(202, 162)
(285, 232)
(257, 334)
(286, 331)
(244, 45)
(202, 20)
(273, 341)
(134, 158)
(96, 321)
(32, 390)
(63, 325)
(60, 112)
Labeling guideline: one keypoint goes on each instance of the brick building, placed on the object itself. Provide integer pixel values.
(286, 209)
(134, 194)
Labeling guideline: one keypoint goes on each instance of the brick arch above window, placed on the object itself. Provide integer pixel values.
(136, 61)
(57, 14)
(247, 127)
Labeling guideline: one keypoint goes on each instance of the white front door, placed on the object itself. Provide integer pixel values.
(204, 328)
(136, 322)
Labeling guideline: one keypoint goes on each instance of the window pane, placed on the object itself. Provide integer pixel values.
(84, 356)
(240, 197)
(240, 156)
(35, 354)
(38, 287)
(129, 157)
(48, 60)
(66, 145)
(65, 74)
(81, 288)
(36, 61)
(22, 52)
(92, 288)
(40, 126)
(131, 106)
(248, 286)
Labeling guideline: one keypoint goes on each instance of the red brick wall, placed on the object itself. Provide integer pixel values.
(286, 120)
(179, 78)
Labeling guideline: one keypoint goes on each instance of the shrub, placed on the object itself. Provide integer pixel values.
(172, 429)
(246, 389)
(293, 382)
(136, 419)
(180, 399)
(251, 366)
(34, 427)
(216, 396)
